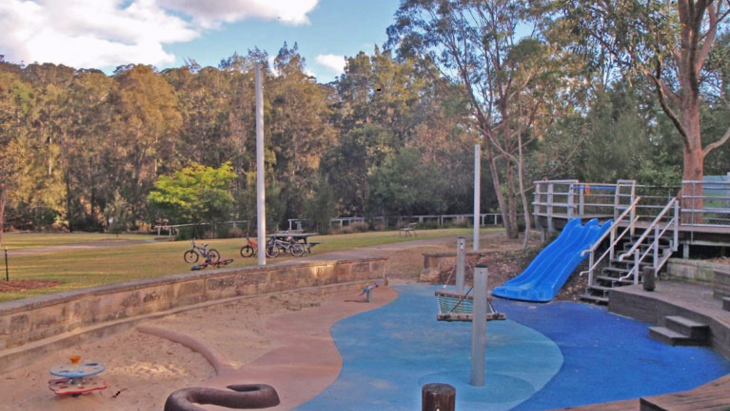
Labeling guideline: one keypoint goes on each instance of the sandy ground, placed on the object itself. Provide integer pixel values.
(144, 366)
(282, 340)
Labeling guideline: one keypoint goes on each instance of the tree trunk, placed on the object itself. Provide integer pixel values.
(497, 185)
(512, 226)
(694, 157)
(2, 215)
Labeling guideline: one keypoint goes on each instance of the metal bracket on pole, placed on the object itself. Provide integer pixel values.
(460, 263)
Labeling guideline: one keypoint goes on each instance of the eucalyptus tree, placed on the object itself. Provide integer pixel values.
(15, 102)
(494, 52)
(297, 128)
(90, 183)
(668, 42)
(145, 126)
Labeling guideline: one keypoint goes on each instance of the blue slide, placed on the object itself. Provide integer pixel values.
(549, 271)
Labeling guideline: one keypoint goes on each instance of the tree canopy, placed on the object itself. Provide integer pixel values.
(618, 89)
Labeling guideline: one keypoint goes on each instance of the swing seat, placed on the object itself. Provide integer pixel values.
(455, 306)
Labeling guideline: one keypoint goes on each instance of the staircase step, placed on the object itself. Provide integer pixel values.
(687, 327)
(594, 298)
(726, 303)
(600, 288)
(615, 271)
(673, 338)
(613, 280)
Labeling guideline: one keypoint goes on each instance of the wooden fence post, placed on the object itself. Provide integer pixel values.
(438, 397)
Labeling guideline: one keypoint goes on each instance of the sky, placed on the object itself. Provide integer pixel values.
(104, 34)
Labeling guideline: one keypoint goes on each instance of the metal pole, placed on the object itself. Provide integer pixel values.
(7, 273)
(477, 192)
(260, 187)
(460, 263)
(479, 326)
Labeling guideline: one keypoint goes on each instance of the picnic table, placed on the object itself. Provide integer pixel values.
(408, 230)
(302, 238)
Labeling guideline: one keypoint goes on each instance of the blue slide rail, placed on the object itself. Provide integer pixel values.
(548, 272)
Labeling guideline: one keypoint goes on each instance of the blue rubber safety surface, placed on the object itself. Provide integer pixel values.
(543, 356)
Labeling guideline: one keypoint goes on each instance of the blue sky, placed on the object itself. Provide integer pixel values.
(104, 34)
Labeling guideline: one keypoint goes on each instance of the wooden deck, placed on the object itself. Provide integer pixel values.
(626, 405)
(688, 234)
(714, 396)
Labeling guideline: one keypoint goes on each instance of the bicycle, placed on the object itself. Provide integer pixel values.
(250, 249)
(275, 246)
(210, 255)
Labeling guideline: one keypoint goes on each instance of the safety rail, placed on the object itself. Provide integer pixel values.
(706, 203)
(614, 239)
(658, 229)
(702, 203)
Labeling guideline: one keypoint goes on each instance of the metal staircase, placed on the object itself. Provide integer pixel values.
(628, 253)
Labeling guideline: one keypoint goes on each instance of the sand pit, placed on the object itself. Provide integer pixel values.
(282, 340)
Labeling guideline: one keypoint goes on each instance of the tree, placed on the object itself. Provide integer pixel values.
(298, 130)
(15, 102)
(669, 43)
(145, 125)
(477, 46)
(195, 194)
(350, 163)
(321, 208)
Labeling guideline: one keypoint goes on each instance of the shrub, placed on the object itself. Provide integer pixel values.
(234, 232)
(360, 227)
(461, 223)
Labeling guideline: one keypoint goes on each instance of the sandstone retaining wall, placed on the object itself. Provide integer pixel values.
(32, 327)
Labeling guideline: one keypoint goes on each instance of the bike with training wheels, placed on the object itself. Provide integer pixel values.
(209, 255)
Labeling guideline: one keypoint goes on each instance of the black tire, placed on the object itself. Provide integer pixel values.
(272, 251)
(213, 255)
(191, 257)
(247, 251)
(297, 250)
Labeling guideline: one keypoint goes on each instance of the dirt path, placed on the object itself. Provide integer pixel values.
(76, 247)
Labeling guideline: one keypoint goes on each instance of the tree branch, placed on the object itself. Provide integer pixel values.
(725, 138)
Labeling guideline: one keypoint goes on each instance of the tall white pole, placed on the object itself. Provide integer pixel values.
(460, 263)
(479, 325)
(477, 193)
(260, 186)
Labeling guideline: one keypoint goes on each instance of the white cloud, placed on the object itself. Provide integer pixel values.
(107, 33)
(211, 13)
(332, 62)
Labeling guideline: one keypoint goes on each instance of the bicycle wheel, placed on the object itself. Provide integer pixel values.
(190, 257)
(247, 251)
(297, 250)
(213, 255)
(272, 251)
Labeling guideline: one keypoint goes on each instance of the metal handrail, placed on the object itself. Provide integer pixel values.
(614, 240)
(654, 226)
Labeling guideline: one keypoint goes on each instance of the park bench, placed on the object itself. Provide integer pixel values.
(408, 230)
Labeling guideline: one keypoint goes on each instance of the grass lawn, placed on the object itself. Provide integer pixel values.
(49, 257)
